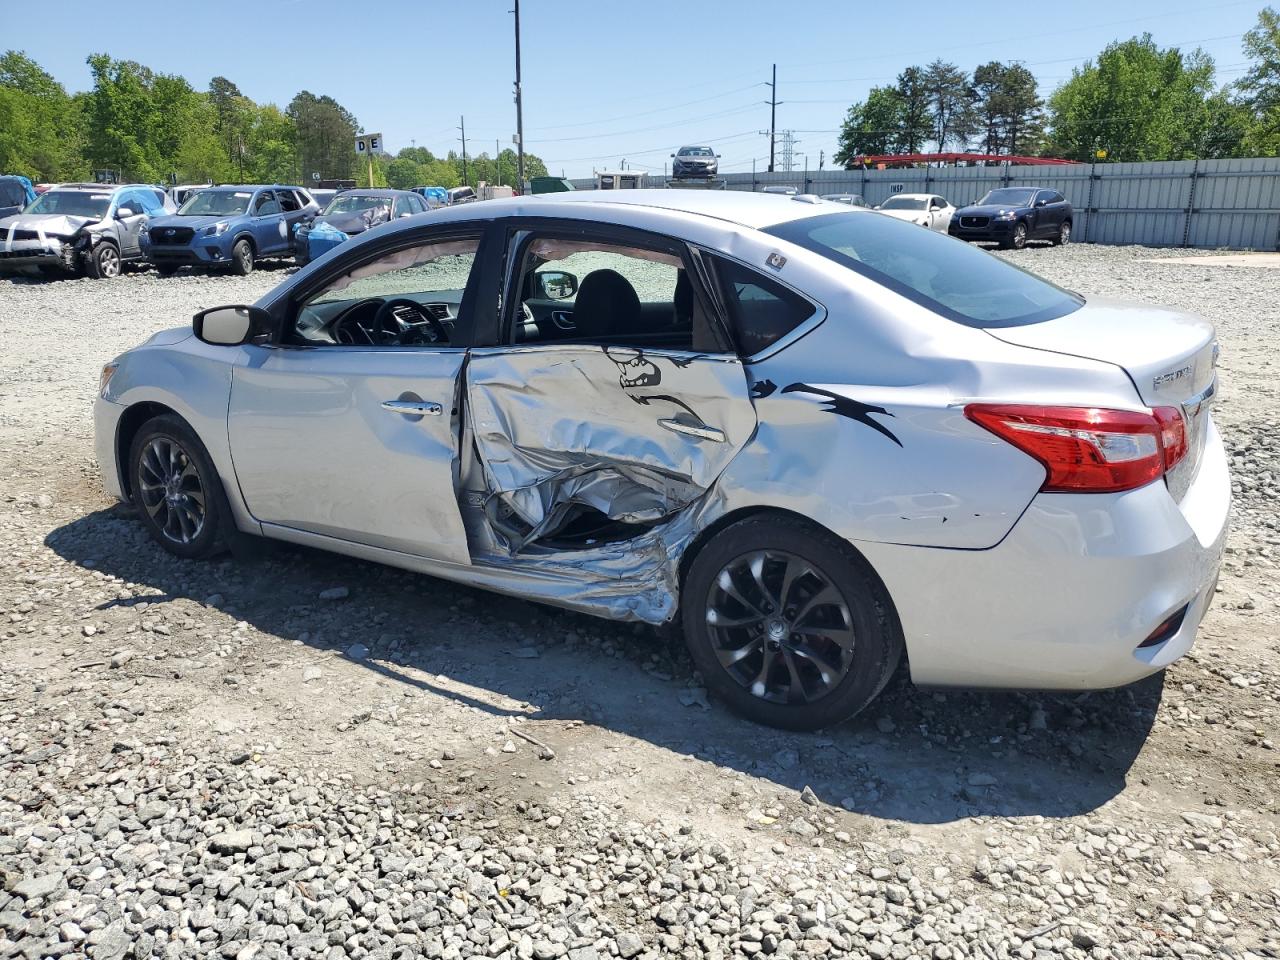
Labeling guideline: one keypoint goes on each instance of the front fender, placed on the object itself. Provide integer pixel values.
(192, 379)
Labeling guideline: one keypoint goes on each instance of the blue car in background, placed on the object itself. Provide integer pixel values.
(228, 227)
(15, 193)
(350, 214)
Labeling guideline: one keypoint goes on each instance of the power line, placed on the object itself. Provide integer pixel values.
(647, 113)
(661, 126)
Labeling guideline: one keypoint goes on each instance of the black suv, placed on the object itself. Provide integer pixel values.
(1011, 216)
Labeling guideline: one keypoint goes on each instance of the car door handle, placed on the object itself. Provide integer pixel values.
(413, 408)
(697, 431)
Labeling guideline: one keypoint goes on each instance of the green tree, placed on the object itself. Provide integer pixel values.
(233, 119)
(917, 113)
(1137, 102)
(874, 126)
(1009, 109)
(326, 133)
(40, 125)
(272, 149)
(951, 104)
(1260, 86)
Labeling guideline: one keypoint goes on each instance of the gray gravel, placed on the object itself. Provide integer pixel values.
(294, 754)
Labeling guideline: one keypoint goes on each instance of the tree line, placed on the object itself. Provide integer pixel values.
(150, 127)
(1134, 102)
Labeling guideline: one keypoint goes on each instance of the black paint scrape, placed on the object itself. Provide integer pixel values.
(844, 407)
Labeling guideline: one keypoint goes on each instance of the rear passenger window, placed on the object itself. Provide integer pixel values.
(762, 312)
(288, 201)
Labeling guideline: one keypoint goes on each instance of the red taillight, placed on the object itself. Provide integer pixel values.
(1088, 449)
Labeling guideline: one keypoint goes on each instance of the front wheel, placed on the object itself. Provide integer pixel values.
(104, 261)
(1019, 238)
(788, 624)
(177, 490)
(1064, 234)
(242, 257)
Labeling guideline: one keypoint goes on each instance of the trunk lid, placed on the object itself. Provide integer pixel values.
(1170, 356)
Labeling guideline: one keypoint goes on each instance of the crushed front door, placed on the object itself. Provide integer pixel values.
(635, 434)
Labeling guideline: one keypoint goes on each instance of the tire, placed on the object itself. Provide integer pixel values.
(1064, 234)
(1019, 238)
(170, 473)
(104, 261)
(242, 258)
(761, 550)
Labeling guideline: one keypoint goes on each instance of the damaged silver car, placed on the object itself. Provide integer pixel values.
(81, 228)
(813, 437)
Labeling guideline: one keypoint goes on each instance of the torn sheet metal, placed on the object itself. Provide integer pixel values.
(604, 427)
(636, 580)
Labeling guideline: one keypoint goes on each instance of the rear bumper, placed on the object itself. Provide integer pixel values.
(1066, 599)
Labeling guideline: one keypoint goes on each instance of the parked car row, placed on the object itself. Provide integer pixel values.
(96, 229)
(1009, 216)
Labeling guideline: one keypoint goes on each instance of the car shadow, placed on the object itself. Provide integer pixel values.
(914, 755)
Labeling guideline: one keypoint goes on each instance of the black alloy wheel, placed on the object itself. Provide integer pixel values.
(787, 623)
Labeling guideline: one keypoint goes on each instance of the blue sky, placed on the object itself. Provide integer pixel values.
(602, 81)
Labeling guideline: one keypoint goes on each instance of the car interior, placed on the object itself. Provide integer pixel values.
(410, 297)
(585, 291)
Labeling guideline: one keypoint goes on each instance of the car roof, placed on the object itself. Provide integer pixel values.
(375, 192)
(102, 187)
(223, 187)
(913, 196)
(754, 210)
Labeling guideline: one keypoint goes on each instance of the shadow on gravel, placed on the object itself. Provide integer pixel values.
(915, 755)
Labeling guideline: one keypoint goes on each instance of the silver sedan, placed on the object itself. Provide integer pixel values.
(814, 437)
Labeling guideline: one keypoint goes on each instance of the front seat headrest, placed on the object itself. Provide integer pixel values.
(606, 304)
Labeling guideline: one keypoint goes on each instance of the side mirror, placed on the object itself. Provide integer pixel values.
(1041, 203)
(673, 155)
(717, 156)
(556, 284)
(230, 326)
(123, 213)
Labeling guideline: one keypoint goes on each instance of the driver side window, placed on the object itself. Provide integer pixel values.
(407, 298)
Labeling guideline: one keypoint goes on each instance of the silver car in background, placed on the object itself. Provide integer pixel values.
(814, 437)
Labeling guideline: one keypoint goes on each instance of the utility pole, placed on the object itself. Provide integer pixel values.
(773, 114)
(519, 109)
(821, 155)
(497, 159)
(462, 126)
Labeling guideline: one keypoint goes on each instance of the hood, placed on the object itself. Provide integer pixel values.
(358, 221)
(51, 224)
(195, 223)
(910, 215)
(1169, 354)
(988, 210)
(167, 338)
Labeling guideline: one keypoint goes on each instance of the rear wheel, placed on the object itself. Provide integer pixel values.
(242, 257)
(788, 624)
(1064, 234)
(104, 261)
(177, 490)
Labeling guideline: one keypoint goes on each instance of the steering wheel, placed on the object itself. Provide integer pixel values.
(351, 329)
(407, 322)
(374, 322)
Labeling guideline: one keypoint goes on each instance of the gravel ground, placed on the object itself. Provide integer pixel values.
(296, 754)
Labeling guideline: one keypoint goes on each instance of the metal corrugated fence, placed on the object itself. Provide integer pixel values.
(1232, 204)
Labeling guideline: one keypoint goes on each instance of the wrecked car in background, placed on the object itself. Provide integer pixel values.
(350, 214)
(84, 228)
(228, 227)
(15, 193)
(813, 436)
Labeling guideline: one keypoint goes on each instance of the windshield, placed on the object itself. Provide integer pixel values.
(964, 284)
(903, 203)
(217, 203)
(1007, 197)
(695, 152)
(71, 203)
(354, 204)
